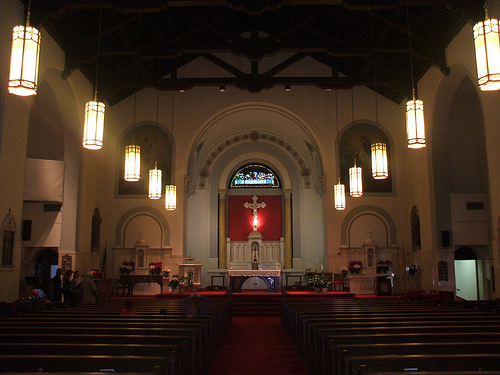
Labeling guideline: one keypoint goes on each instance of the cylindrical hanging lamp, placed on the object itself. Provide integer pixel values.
(380, 169)
(415, 126)
(487, 46)
(339, 196)
(155, 183)
(94, 125)
(24, 60)
(170, 197)
(132, 163)
(355, 181)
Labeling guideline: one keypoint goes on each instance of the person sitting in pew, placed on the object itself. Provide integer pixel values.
(128, 310)
(195, 305)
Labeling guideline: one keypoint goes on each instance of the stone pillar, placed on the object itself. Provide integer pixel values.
(288, 231)
(222, 231)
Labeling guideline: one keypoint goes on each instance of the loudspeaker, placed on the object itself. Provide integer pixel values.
(26, 230)
(445, 238)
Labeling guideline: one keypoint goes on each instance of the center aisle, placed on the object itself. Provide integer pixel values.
(257, 345)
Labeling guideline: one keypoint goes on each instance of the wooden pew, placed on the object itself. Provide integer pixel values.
(339, 343)
(428, 362)
(23, 363)
(414, 348)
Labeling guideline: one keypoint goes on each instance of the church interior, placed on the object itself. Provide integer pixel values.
(253, 147)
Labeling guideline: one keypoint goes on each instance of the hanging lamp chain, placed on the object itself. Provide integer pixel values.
(98, 52)
(409, 46)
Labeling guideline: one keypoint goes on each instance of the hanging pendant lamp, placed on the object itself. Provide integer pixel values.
(339, 189)
(24, 59)
(415, 126)
(171, 190)
(93, 127)
(380, 165)
(155, 180)
(379, 161)
(155, 186)
(339, 195)
(170, 197)
(355, 181)
(487, 46)
(132, 163)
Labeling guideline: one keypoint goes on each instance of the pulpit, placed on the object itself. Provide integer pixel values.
(196, 268)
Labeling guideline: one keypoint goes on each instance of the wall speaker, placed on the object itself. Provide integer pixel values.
(26, 230)
(445, 238)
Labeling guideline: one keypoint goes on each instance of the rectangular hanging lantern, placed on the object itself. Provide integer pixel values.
(24, 61)
(132, 163)
(487, 46)
(94, 125)
(155, 183)
(415, 126)
(355, 181)
(170, 197)
(339, 196)
(379, 161)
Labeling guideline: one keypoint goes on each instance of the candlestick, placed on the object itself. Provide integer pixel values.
(277, 266)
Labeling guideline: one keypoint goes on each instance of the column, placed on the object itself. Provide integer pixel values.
(222, 231)
(288, 231)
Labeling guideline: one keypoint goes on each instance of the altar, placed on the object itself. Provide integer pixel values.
(238, 277)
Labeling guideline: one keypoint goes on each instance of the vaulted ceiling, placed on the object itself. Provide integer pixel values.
(254, 45)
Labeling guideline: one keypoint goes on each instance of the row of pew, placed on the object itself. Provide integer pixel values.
(159, 340)
(392, 336)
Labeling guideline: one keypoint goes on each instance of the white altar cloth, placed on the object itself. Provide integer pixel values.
(254, 273)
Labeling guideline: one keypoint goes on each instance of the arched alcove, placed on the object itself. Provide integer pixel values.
(355, 143)
(156, 145)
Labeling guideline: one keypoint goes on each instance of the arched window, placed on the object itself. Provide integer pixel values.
(355, 143)
(255, 176)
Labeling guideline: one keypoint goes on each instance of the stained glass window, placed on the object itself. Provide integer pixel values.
(255, 175)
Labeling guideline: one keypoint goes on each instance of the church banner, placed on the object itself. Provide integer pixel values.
(269, 218)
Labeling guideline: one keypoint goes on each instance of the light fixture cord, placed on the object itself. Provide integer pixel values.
(374, 71)
(98, 52)
(28, 14)
(411, 54)
(136, 67)
(157, 112)
(337, 123)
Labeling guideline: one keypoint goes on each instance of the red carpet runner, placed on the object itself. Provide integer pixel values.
(257, 345)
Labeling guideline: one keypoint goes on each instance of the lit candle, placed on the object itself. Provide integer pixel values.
(230, 266)
(277, 266)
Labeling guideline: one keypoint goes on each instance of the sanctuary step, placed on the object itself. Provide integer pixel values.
(263, 304)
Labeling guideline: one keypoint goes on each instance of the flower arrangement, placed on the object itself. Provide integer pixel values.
(344, 271)
(355, 266)
(165, 272)
(155, 267)
(383, 266)
(318, 281)
(127, 267)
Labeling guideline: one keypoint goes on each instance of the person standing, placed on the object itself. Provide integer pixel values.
(66, 287)
(75, 288)
(88, 290)
(57, 286)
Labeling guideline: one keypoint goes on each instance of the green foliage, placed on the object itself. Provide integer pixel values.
(318, 281)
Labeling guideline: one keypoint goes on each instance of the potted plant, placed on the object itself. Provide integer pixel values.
(155, 268)
(174, 284)
(166, 272)
(127, 267)
(355, 266)
(318, 282)
(188, 282)
(344, 271)
(383, 266)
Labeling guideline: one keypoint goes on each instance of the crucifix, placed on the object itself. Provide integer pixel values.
(254, 206)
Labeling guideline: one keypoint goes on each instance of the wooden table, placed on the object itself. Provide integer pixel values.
(128, 281)
(270, 277)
